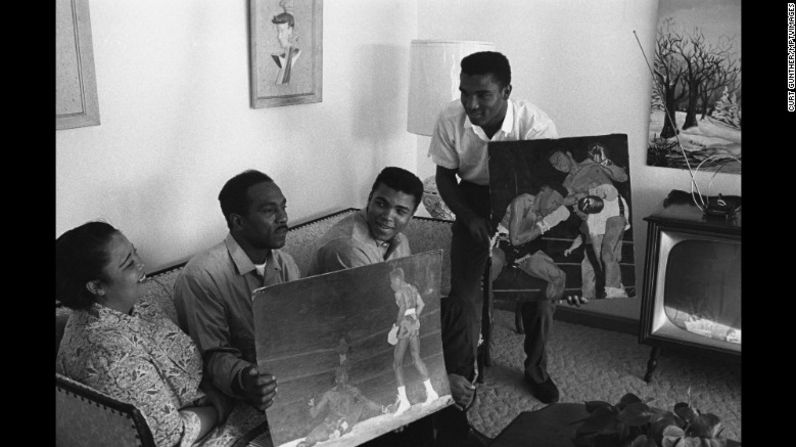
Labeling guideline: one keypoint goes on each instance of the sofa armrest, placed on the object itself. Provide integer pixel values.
(85, 417)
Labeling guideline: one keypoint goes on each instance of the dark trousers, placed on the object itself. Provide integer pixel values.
(458, 348)
(537, 319)
(468, 263)
(469, 259)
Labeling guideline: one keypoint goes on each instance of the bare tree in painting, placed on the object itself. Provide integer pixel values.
(669, 70)
(705, 66)
(690, 70)
(723, 73)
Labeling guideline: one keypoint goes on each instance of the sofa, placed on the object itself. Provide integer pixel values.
(86, 417)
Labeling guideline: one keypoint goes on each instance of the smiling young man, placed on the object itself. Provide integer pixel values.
(373, 234)
(213, 293)
(484, 113)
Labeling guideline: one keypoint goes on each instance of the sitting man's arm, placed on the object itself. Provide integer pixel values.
(340, 254)
(522, 227)
(203, 316)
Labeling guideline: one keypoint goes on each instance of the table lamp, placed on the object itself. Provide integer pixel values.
(434, 67)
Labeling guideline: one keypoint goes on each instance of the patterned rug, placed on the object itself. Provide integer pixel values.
(593, 364)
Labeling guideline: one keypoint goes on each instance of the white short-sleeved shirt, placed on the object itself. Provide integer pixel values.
(460, 145)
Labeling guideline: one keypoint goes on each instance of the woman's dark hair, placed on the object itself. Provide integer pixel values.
(80, 256)
(488, 62)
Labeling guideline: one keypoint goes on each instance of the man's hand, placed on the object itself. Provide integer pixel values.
(568, 251)
(259, 388)
(462, 390)
(478, 228)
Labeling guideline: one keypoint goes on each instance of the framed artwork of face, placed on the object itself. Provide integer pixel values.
(286, 48)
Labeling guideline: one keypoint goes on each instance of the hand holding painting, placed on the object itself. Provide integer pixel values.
(259, 388)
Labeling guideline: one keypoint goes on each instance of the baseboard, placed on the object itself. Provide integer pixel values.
(583, 317)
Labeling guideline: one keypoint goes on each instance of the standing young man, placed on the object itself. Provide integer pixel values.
(459, 148)
(213, 294)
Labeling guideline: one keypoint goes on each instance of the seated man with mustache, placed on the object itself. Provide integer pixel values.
(213, 294)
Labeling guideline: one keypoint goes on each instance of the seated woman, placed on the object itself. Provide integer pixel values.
(126, 347)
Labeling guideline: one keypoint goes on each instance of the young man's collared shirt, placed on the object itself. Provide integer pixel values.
(213, 296)
(459, 145)
(349, 244)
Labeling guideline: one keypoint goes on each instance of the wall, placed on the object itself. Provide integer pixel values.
(173, 87)
(579, 61)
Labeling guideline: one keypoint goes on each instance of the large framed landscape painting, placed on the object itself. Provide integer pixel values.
(562, 209)
(285, 52)
(695, 118)
(332, 341)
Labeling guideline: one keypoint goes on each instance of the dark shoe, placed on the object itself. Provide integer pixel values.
(546, 392)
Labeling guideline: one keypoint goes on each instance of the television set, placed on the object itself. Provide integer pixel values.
(691, 295)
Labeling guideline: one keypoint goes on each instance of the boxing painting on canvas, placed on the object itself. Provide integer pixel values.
(561, 211)
(357, 353)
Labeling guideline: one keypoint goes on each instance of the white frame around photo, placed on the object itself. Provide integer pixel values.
(76, 102)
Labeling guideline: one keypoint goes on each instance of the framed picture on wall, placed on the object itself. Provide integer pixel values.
(76, 103)
(286, 52)
(695, 114)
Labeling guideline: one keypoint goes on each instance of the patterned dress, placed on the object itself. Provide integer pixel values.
(142, 358)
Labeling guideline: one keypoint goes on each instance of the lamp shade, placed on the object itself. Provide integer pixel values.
(434, 78)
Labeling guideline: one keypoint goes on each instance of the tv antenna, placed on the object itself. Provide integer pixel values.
(698, 199)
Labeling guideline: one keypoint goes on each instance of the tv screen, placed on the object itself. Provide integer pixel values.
(697, 297)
